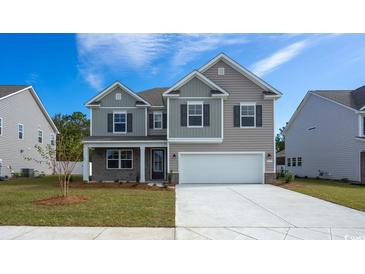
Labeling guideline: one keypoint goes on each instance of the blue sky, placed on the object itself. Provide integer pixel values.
(67, 69)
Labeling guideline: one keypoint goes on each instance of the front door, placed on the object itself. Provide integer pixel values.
(158, 164)
(362, 166)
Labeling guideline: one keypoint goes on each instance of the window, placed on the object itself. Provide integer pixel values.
(126, 159)
(40, 136)
(52, 139)
(195, 114)
(288, 162)
(112, 158)
(119, 122)
(294, 161)
(220, 71)
(118, 96)
(20, 131)
(119, 159)
(299, 161)
(157, 120)
(248, 115)
(1, 126)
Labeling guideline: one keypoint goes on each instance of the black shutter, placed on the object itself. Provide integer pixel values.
(129, 122)
(206, 114)
(110, 122)
(164, 120)
(258, 115)
(183, 113)
(150, 120)
(236, 116)
(363, 127)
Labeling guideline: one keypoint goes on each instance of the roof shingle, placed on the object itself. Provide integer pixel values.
(6, 90)
(153, 96)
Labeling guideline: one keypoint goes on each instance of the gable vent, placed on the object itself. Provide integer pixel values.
(220, 71)
(118, 96)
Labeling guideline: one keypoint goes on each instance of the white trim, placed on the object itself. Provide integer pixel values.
(119, 159)
(254, 120)
(154, 114)
(91, 122)
(125, 141)
(261, 83)
(120, 107)
(41, 131)
(360, 173)
(110, 88)
(363, 108)
(158, 106)
(274, 142)
(198, 98)
(222, 118)
(1, 126)
(361, 125)
(226, 152)
(189, 77)
(168, 158)
(125, 122)
(145, 122)
(201, 103)
(18, 131)
(195, 140)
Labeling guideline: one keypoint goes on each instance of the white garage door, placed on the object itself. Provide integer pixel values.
(221, 168)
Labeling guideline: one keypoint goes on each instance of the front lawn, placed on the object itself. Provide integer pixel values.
(337, 192)
(105, 207)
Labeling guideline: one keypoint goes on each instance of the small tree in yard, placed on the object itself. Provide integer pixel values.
(68, 151)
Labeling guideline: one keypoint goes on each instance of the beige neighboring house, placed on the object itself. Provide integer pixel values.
(24, 123)
(216, 125)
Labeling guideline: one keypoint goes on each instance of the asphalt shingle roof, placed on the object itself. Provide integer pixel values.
(6, 90)
(153, 96)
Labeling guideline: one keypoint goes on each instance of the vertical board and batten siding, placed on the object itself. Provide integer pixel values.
(212, 131)
(22, 108)
(151, 131)
(241, 89)
(100, 118)
(331, 146)
(195, 88)
(127, 100)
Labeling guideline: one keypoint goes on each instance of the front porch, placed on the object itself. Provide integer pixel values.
(125, 158)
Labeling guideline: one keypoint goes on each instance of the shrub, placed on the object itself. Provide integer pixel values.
(305, 177)
(289, 176)
(169, 177)
(345, 180)
(116, 181)
(138, 179)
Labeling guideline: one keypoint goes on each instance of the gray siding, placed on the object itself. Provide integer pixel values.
(240, 89)
(195, 88)
(331, 146)
(22, 108)
(100, 125)
(151, 131)
(213, 130)
(126, 101)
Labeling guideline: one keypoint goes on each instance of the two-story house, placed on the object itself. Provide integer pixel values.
(216, 125)
(326, 135)
(24, 123)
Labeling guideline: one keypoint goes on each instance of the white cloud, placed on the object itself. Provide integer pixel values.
(278, 58)
(101, 53)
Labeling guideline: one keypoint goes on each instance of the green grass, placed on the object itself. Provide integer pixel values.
(337, 192)
(106, 207)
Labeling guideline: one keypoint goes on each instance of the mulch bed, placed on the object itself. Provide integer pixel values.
(120, 185)
(60, 200)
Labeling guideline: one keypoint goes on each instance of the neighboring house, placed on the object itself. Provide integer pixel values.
(216, 125)
(280, 161)
(326, 135)
(24, 123)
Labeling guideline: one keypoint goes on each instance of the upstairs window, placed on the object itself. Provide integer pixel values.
(52, 139)
(118, 96)
(20, 128)
(195, 114)
(40, 136)
(299, 161)
(157, 120)
(220, 71)
(119, 122)
(289, 162)
(294, 161)
(248, 115)
(1, 126)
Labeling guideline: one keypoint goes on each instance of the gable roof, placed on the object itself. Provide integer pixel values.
(109, 89)
(245, 72)
(9, 90)
(196, 74)
(153, 96)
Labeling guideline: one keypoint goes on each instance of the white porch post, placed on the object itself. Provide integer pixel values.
(85, 165)
(142, 164)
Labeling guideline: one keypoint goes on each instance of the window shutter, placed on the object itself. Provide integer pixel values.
(110, 122)
(150, 120)
(206, 114)
(183, 113)
(129, 122)
(258, 115)
(164, 120)
(363, 125)
(236, 116)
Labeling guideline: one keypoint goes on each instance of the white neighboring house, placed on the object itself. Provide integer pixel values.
(24, 123)
(326, 135)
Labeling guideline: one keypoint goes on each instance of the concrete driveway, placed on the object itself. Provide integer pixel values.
(261, 212)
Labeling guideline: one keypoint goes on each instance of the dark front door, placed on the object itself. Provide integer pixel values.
(362, 166)
(158, 164)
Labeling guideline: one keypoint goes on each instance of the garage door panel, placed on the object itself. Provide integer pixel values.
(221, 168)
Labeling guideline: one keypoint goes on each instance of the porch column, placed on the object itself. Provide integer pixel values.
(85, 165)
(142, 164)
